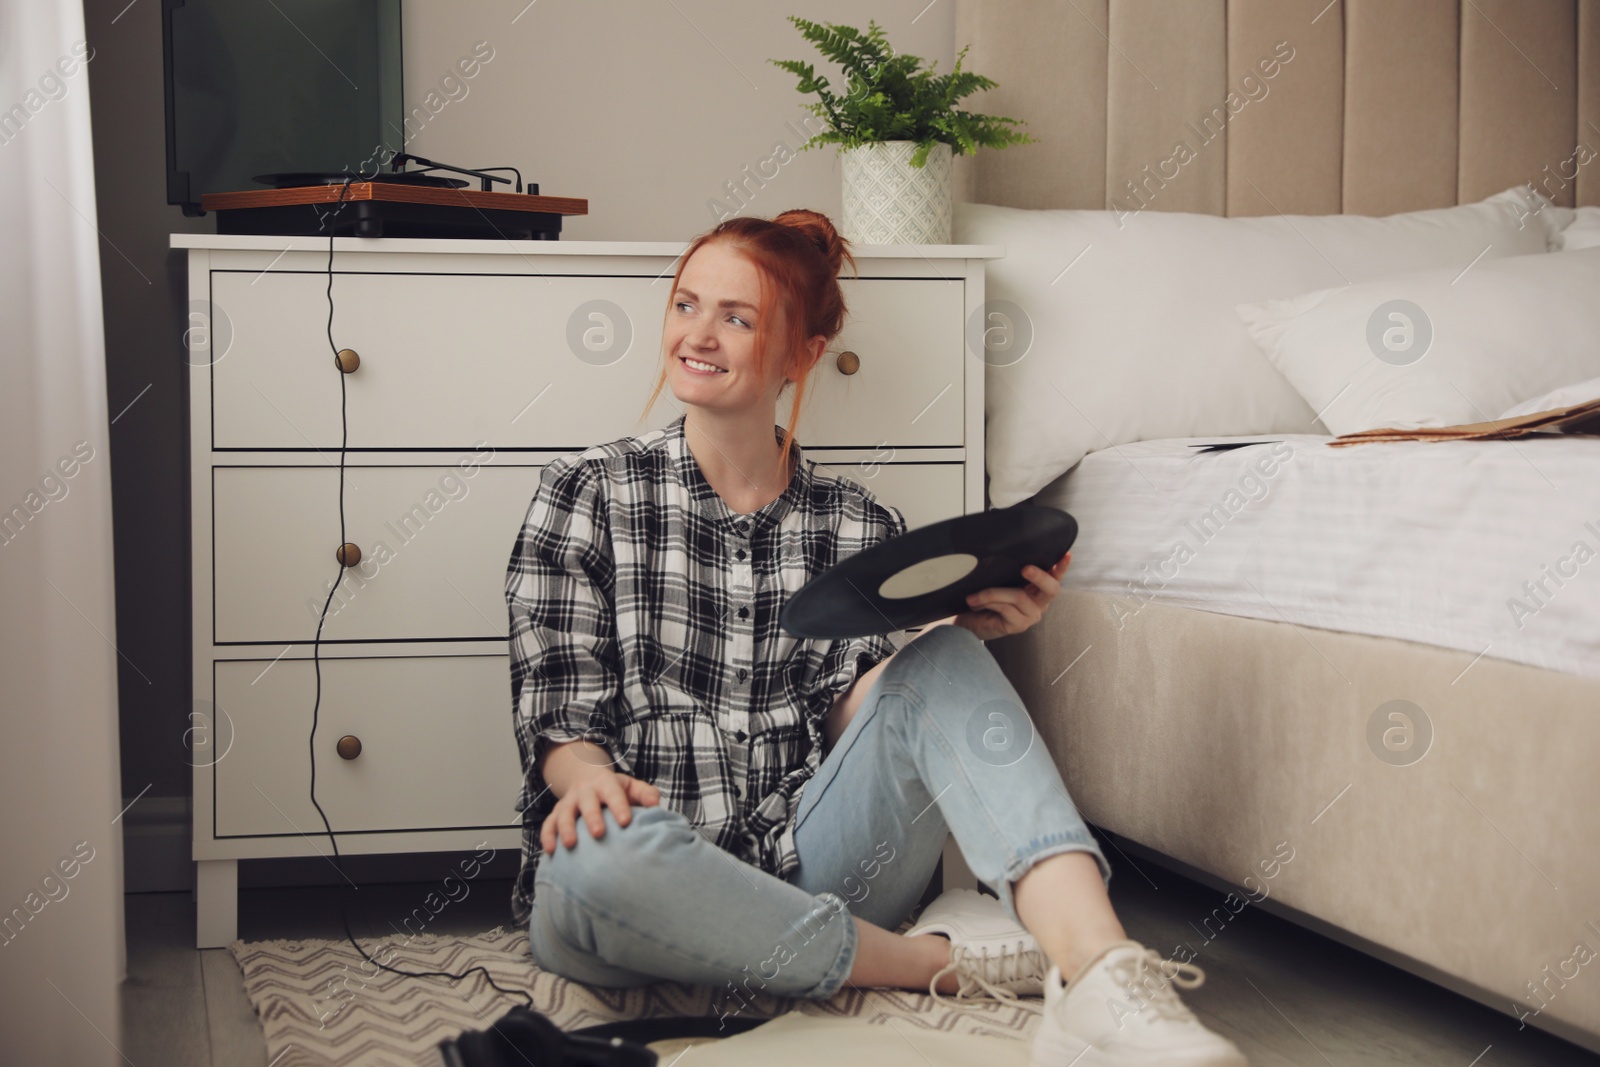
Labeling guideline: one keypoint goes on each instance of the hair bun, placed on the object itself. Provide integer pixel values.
(817, 227)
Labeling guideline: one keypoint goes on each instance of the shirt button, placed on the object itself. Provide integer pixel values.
(741, 674)
(744, 613)
(744, 527)
(741, 736)
(737, 791)
(739, 554)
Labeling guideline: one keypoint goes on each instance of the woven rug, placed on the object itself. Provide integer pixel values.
(320, 1003)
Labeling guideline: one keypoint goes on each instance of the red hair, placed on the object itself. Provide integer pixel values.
(797, 256)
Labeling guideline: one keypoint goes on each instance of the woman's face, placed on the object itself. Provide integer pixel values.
(710, 334)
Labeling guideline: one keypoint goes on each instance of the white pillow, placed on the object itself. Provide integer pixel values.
(1437, 347)
(1582, 232)
(1121, 325)
(1564, 397)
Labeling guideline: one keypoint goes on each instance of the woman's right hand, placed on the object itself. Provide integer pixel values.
(602, 788)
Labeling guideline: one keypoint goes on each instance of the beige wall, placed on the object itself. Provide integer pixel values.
(647, 109)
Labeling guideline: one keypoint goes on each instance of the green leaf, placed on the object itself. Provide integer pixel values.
(891, 97)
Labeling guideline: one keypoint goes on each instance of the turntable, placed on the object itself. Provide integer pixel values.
(396, 203)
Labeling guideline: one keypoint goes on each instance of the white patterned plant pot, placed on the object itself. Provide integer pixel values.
(887, 201)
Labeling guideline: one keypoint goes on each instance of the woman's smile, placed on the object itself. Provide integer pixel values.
(697, 366)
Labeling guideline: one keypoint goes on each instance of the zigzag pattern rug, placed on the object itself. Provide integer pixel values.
(321, 1004)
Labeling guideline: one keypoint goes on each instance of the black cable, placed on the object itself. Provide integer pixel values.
(316, 648)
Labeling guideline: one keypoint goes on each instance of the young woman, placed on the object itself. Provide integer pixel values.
(710, 800)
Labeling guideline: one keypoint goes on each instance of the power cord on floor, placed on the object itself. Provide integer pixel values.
(316, 645)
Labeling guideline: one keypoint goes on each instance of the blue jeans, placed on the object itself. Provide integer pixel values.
(941, 744)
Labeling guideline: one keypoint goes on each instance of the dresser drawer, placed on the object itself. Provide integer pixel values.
(908, 387)
(438, 749)
(434, 545)
(449, 360)
(923, 492)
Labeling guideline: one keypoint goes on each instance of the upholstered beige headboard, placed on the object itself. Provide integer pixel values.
(1253, 107)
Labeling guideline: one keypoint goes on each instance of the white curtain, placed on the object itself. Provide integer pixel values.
(61, 938)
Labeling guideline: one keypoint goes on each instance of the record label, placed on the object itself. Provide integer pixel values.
(923, 578)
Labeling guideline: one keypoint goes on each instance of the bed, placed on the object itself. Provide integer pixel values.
(1382, 659)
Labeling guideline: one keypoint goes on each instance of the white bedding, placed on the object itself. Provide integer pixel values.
(1490, 547)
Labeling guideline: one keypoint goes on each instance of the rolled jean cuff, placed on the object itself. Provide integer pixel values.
(835, 979)
(1041, 849)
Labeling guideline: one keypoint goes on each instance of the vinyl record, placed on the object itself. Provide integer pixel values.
(929, 572)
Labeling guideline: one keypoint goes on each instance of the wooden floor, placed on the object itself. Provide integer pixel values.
(1284, 994)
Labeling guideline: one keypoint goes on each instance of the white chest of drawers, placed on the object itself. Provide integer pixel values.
(479, 362)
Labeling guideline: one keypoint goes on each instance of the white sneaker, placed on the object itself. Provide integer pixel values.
(989, 952)
(1120, 1010)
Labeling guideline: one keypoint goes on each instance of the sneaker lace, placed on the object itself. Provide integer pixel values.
(1131, 971)
(977, 972)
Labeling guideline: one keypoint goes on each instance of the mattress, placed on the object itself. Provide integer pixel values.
(1489, 547)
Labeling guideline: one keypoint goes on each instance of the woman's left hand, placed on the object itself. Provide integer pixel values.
(1003, 610)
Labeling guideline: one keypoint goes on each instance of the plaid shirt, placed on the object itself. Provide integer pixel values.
(644, 617)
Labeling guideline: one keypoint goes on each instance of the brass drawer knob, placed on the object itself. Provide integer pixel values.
(349, 746)
(848, 362)
(347, 360)
(348, 555)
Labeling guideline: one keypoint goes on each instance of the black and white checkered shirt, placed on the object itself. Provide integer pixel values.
(644, 617)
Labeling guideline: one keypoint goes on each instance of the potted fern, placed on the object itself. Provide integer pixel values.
(898, 129)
